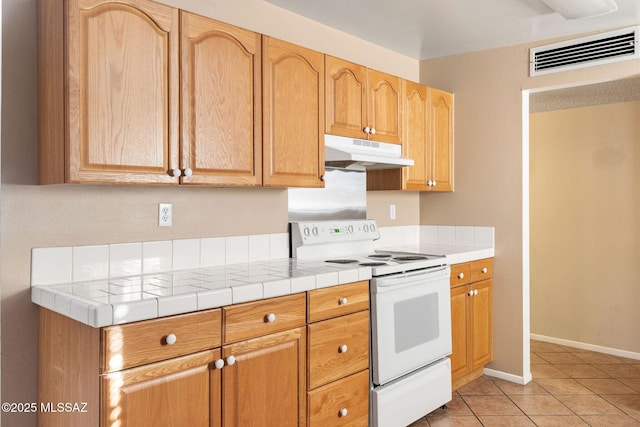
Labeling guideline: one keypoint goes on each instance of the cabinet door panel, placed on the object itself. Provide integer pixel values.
(415, 141)
(266, 384)
(221, 90)
(122, 91)
(385, 107)
(459, 342)
(164, 394)
(442, 128)
(482, 325)
(293, 115)
(346, 97)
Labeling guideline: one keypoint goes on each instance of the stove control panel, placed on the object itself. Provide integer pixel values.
(323, 233)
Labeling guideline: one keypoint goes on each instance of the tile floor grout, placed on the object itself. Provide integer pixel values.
(570, 387)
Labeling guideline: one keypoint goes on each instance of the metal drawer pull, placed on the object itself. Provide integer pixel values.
(171, 339)
(343, 412)
(343, 348)
(270, 318)
(343, 301)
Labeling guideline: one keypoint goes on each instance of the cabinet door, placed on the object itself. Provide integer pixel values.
(459, 342)
(482, 324)
(416, 137)
(265, 385)
(293, 115)
(221, 108)
(442, 140)
(385, 107)
(178, 392)
(122, 91)
(346, 98)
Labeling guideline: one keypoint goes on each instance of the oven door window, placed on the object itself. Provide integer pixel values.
(411, 328)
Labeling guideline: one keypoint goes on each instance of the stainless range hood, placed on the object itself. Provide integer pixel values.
(359, 154)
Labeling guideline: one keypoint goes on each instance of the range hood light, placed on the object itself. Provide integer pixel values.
(576, 9)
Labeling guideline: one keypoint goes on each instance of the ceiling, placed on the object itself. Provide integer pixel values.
(424, 29)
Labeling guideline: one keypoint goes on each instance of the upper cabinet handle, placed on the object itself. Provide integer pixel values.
(367, 129)
(188, 172)
(176, 172)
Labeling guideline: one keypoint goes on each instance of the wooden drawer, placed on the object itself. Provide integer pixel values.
(337, 300)
(139, 343)
(254, 319)
(327, 359)
(460, 274)
(481, 269)
(351, 394)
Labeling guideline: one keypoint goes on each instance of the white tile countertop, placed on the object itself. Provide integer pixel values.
(128, 299)
(103, 285)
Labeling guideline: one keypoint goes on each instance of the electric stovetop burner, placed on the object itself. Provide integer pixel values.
(410, 257)
(372, 264)
(342, 261)
(379, 256)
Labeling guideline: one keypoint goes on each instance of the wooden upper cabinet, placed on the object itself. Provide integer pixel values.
(362, 103)
(385, 107)
(221, 103)
(442, 140)
(116, 118)
(346, 97)
(293, 115)
(417, 131)
(427, 139)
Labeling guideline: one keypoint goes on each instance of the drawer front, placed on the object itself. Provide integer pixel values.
(341, 403)
(337, 300)
(254, 319)
(481, 269)
(460, 274)
(338, 347)
(139, 343)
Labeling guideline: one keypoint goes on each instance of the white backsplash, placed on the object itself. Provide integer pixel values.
(440, 235)
(70, 264)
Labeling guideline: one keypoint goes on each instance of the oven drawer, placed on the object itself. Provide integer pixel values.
(481, 269)
(254, 319)
(139, 343)
(337, 300)
(338, 347)
(341, 403)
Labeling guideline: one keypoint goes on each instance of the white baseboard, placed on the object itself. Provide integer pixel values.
(590, 347)
(508, 377)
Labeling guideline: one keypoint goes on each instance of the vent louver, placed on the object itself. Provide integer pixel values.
(614, 46)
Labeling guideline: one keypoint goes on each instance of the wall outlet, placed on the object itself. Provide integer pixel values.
(165, 215)
(392, 211)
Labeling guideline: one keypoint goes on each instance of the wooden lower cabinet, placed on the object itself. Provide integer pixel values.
(265, 385)
(338, 351)
(179, 392)
(242, 365)
(471, 321)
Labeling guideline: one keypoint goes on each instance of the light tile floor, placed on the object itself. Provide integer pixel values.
(570, 387)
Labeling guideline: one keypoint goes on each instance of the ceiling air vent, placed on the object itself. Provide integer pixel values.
(604, 48)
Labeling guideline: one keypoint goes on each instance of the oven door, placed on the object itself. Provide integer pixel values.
(410, 321)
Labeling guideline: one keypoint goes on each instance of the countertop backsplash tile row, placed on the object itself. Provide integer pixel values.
(116, 283)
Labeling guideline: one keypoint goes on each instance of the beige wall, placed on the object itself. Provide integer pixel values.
(488, 89)
(35, 216)
(585, 235)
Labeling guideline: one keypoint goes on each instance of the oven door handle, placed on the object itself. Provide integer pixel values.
(402, 279)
